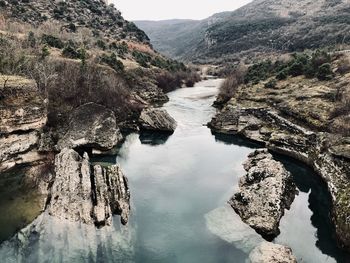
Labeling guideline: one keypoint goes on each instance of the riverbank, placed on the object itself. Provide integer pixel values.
(287, 119)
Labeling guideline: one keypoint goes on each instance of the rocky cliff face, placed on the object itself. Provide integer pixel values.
(264, 193)
(23, 115)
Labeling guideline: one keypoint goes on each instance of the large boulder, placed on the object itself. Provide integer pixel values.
(155, 119)
(85, 193)
(91, 125)
(271, 253)
(264, 193)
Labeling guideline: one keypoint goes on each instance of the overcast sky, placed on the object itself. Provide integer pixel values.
(169, 9)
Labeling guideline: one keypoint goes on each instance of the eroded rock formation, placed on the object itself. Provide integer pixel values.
(85, 193)
(91, 125)
(157, 120)
(264, 193)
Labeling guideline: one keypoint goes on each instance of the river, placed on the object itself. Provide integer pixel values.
(180, 185)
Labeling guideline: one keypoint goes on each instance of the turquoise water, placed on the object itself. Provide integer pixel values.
(180, 185)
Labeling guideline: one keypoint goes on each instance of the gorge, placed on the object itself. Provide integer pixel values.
(235, 149)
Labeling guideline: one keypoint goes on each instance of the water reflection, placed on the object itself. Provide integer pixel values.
(320, 232)
(154, 138)
(237, 140)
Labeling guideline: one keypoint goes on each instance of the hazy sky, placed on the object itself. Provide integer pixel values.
(169, 9)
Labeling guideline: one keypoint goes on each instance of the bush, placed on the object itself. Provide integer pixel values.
(296, 69)
(258, 72)
(70, 52)
(271, 84)
(101, 44)
(167, 81)
(52, 41)
(191, 78)
(31, 39)
(112, 61)
(325, 72)
(230, 86)
(76, 85)
(142, 58)
(343, 66)
(283, 74)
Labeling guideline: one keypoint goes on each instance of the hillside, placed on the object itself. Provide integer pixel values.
(263, 25)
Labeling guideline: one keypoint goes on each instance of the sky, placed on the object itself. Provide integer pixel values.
(170, 9)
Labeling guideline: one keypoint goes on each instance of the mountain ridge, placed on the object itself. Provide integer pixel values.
(260, 26)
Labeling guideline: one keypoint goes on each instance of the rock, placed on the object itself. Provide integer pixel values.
(85, 193)
(22, 108)
(23, 114)
(271, 253)
(264, 192)
(328, 156)
(157, 120)
(91, 125)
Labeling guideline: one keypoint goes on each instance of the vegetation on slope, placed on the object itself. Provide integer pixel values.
(312, 88)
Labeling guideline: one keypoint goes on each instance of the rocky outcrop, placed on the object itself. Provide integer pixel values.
(85, 193)
(157, 120)
(271, 253)
(91, 125)
(23, 114)
(264, 193)
(325, 153)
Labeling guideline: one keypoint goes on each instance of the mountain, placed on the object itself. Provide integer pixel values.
(93, 14)
(262, 25)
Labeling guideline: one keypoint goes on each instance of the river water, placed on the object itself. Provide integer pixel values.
(180, 185)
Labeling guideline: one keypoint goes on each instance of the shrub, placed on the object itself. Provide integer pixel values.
(142, 58)
(70, 52)
(52, 41)
(76, 85)
(319, 58)
(259, 71)
(325, 72)
(167, 81)
(271, 84)
(296, 69)
(31, 39)
(230, 86)
(343, 66)
(44, 52)
(283, 74)
(112, 61)
(101, 44)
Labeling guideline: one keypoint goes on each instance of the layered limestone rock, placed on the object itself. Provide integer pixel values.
(91, 125)
(271, 253)
(85, 193)
(157, 120)
(264, 193)
(23, 114)
(325, 153)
